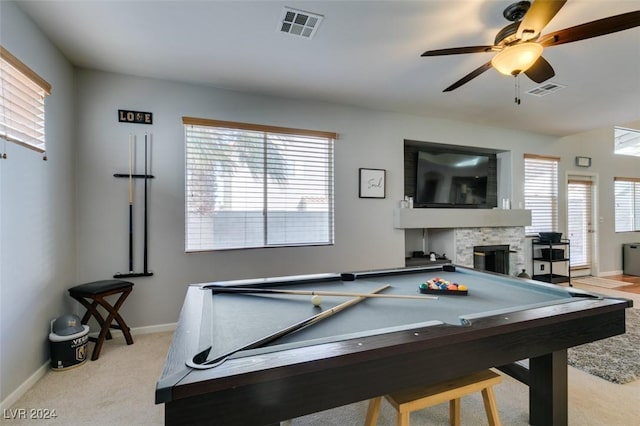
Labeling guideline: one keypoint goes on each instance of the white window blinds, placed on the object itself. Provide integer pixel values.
(627, 204)
(22, 94)
(257, 186)
(580, 220)
(541, 193)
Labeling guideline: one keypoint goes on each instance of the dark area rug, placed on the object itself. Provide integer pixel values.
(616, 359)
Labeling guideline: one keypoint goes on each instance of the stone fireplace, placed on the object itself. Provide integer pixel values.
(459, 245)
(455, 232)
(513, 237)
(493, 258)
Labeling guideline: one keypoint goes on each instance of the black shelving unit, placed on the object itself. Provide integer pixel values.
(548, 253)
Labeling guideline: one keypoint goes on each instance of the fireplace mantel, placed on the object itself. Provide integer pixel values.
(459, 218)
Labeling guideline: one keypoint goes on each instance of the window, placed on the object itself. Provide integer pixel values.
(541, 193)
(256, 186)
(627, 204)
(627, 141)
(22, 94)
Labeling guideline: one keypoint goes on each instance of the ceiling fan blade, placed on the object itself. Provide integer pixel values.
(537, 17)
(458, 50)
(473, 74)
(591, 29)
(540, 71)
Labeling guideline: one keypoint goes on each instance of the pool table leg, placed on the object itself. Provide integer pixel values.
(548, 390)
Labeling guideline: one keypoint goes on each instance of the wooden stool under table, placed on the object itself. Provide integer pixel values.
(452, 390)
(92, 295)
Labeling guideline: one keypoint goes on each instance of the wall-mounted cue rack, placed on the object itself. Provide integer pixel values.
(132, 176)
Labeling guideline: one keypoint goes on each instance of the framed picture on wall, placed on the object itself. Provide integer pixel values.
(372, 183)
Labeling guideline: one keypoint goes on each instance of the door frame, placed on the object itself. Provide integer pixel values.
(596, 219)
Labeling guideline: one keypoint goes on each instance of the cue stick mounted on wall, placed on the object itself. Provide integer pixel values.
(131, 176)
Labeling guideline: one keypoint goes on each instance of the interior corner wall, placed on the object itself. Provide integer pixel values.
(37, 218)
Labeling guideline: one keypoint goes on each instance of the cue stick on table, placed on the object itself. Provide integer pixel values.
(250, 290)
(200, 362)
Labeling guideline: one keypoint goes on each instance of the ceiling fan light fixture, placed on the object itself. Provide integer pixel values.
(517, 58)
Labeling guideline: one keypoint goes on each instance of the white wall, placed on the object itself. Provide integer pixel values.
(598, 144)
(365, 237)
(37, 216)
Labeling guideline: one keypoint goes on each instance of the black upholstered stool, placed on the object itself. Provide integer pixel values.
(92, 295)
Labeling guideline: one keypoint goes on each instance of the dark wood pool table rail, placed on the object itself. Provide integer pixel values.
(268, 387)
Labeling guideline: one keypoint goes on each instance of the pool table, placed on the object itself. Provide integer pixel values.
(375, 347)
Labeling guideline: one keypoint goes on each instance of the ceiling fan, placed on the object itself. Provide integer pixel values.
(518, 46)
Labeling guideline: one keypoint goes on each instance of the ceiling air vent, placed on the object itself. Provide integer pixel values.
(299, 23)
(546, 89)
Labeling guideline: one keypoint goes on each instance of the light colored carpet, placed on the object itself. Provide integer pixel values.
(118, 389)
(598, 282)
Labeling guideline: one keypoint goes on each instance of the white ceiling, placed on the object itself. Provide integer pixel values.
(365, 53)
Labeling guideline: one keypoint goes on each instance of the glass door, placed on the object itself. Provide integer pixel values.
(580, 214)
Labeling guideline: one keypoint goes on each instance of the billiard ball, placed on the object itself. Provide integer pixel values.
(316, 300)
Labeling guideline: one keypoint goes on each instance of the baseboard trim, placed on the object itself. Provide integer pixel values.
(137, 331)
(609, 273)
(44, 368)
(24, 387)
(160, 328)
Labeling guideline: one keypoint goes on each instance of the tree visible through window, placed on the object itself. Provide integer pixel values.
(256, 186)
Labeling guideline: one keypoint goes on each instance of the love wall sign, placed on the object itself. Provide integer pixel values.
(137, 117)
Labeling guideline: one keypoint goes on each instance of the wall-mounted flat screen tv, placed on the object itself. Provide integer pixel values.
(450, 179)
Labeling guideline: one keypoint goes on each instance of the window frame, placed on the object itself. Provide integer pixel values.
(33, 88)
(266, 135)
(634, 204)
(534, 205)
(581, 213)
(626, 141)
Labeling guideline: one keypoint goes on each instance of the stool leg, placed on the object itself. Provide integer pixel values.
(490, 406)
(99, 341)
(403, 418)
(115, 315)
(87, 314)
(100, 318)
(454, 412)
(372, 411)
(92, 311)
(106, 324)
